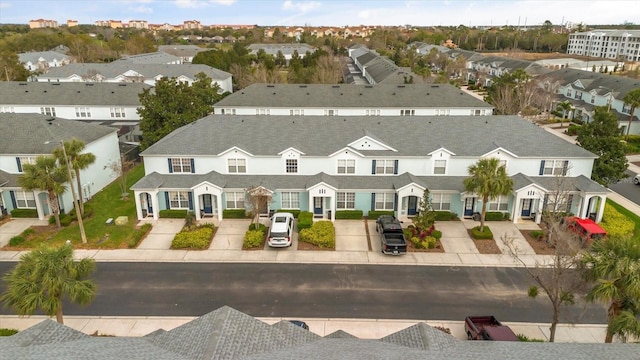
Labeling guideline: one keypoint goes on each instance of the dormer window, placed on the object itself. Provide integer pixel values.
(291, 166)
(440, 167)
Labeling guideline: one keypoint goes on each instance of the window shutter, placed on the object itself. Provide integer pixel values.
(541, 168)
(170, 166)
(569, 202)
(13, 199)
(565, 167)
(544, 203)
(193, 166)
(395, 202)
(190, 195)
(395, 167)
(19, 164)
(373, 201)
(166, 199)
(373, 167)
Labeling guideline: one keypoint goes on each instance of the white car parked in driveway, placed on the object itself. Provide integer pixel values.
(636, 180)
(281, 230)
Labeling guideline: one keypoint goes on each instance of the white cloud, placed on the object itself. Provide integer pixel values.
(5, 5)
(192, 4)
(301, 6)
(223, 2)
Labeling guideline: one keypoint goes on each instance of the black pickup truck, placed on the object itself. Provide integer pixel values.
(392, 239)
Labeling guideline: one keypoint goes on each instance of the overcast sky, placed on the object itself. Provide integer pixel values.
(325, 12)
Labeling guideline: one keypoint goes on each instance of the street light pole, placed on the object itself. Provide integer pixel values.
(73, 192)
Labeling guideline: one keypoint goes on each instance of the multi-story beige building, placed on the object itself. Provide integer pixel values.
(608, 44)
(138, 24)
(72, 23)
(192, 25)
(42, 23)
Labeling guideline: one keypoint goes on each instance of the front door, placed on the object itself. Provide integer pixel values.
(317, 205)
(207, 204)
(526, 207)
(149, 205)
(469, 206)
(412, 207)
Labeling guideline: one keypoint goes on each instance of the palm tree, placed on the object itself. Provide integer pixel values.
(47, 175)
(46, 276)
(632, 99)
(566, 107)
(488, 179)
(612, 265)
(77, 160)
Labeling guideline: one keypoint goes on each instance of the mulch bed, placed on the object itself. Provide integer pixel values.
(485, 246)
(306, 246)
(438, 249)
(539, 246)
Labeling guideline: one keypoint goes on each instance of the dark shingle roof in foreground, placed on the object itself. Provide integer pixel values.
(229, 334)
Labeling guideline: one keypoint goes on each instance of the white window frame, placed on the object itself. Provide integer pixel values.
(118, 112)
(330, 112)
(407, 112)
(347, 166)
(438, 164)
(228, 111)
(553, 167)
(386, 203)
(7, 109)
(372, 112)
(291, 166)
(345, 201)
(178, 200)
(296, 112)
(48, 110)
(83, 112)
(500, 203)
(25, 199)
(181, 165)
(26, 160)
(387, 166)
(263, 112)
(441, 201)
(234, 200)
(237, 165)
(443, 112)
(290, 200)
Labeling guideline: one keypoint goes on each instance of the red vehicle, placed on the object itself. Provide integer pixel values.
(587, 229)
(487, 328)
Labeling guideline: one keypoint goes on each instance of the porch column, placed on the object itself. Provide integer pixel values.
(39, 207)
(538, 219)
(584, 212)
(136, 196)
(219, 206)
(516, 209)
(331, 207)
(603, 200)
(196, 205)
(156, 205)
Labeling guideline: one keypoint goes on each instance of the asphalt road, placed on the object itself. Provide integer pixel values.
(627, 188)
(319, 291)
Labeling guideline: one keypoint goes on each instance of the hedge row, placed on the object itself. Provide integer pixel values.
(65, 219)
(375, 214)
(173, 214)
(615, 223)
(321, 234)
(487, 234)
(305, 220)
(253, 239)
(138, 235)
(294, 212)
(496, 216)
(234, 214)
(446, 216)
(8, 332)
(24, 213)
(260, 227)
(348, 214)
(197, 239)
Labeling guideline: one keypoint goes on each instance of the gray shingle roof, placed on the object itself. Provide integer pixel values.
(511, 64)
(182, 50)
(286, 49)
(27, 134)
(35, 56)
(594, 81)
(414, 96)
(324, 135)
(149, 71)
(70, 93)
(157, 57)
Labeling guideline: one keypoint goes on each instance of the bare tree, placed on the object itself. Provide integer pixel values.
(259, 198)
(556, 277)
(120, 168)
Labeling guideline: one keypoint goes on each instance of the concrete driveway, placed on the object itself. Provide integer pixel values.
(505, 230)
(16, 226)
(351, 235)
(162, 234)
(230, 234)
(455, 238)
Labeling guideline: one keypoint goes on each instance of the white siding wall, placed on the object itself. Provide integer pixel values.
(309, 111)
(100, 113)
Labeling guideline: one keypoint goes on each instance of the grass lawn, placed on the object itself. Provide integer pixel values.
(633, 217)
(105, 204)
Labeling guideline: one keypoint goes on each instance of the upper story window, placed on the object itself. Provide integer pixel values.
(48, 110)
(569, 92)
(181, 165)
(83, 112)
(407, 112)
(346, 166)
(499, 203)
(554, 167)
(235, 200)
(372, 112)
(441, 201)
(331, 112)
(579, 95)
(296, 112)
(117, 112)
(7, 109)
(262, 111)
(291, 166)
(384, 167)
(237, 165)
(440, 166)
(345, 201)
(593, 99)
(21, 160)
(228, 111)
(476, 112)
(443, 111)
(626, 109)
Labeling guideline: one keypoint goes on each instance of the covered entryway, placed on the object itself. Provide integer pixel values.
(412, 205)
(409, 196)
(469, 206)
(146, 203)
(526, 208)
(322, 201)
(318, 209)
(208, 205)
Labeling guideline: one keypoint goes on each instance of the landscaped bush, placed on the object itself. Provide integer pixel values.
(294, 212)
(24, 213)
(615, 223)
(7, 332)
(572, 130)
(260, 227)
(494, 216)
(172, 214)
(428, 242)
(16, 240)
(321, 234)
(305, 220)
(233, 214)
(138, 235)
(633, 144)
(375, 214)
(253, 239)
(437, 234)
(446, 216)
(348, 214)
(527, 339)
(487, 234)
(88, 212)
(538, 234)
(196, 239)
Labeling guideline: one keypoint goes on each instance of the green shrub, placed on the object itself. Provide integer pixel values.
(538, 234)
(27, 232)
(572, 130)
(234, 214)
(294, 212)
(7, 332)
(173, 214)
(321, 234)
(487, 234)
(189, 219)
(305, 220)
(429, 242)
(437, 234)
(348, 214)
(446, 216)
(196, 239)
(253, 239)
(24, 213)
(527, 339)
(88, 212)
(138, 235)
(260, 227)
(494, 216)
(65, 221)
(615, 223)
(375, 214)
(16, 240)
